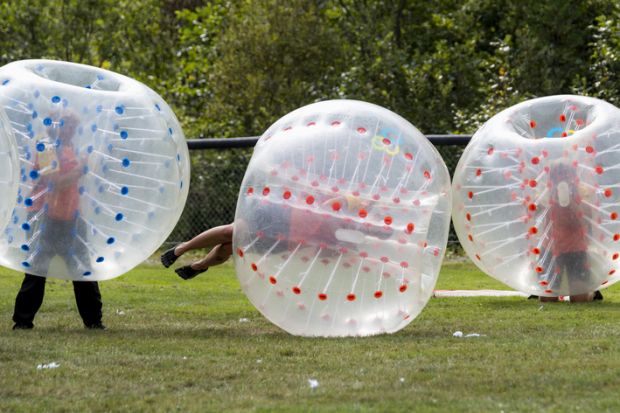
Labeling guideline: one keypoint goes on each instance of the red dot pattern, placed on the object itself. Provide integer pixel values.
(522, 178)
(332, 200)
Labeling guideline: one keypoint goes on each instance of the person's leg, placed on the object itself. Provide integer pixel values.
(216, 256)
(77, 256)
(28, 301)
(88, 300)
(580, 277)
(208, 239)
(557, 265)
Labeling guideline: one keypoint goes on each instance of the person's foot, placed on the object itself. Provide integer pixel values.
(187, 272)
(96, 326)
(23, 326)
(169, 257)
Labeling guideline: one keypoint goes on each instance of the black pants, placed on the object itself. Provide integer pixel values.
(58, 238)
(30, 298)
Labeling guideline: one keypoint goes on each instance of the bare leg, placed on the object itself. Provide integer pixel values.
(208, 239)
(216, 256)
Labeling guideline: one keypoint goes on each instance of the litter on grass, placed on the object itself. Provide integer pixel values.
(51, 365)
(459, 334)
(313, 383)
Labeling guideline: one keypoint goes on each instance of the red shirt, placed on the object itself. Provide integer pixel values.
(62, 201)
(568, 229)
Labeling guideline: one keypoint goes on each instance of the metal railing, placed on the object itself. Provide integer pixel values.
(227, 143)
(218, 167)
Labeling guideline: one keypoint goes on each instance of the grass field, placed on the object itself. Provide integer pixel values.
(199, 345)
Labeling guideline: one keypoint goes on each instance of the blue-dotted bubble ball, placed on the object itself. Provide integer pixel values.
(9, 171)
(342, 221)
(537, 196)
(103, 170)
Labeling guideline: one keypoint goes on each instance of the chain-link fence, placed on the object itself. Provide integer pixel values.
(216, 179)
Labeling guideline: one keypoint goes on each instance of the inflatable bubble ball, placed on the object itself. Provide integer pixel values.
(342, 221)
(537, 194)
(9, 170)
(104, 170)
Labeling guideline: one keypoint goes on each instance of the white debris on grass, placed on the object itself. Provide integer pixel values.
(51, 365)
(402, 380)
(459, 334)
(313, 383)
(259, 361)
(120, 312)
(243, 320)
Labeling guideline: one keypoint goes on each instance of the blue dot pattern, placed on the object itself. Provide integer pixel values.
(120, 150)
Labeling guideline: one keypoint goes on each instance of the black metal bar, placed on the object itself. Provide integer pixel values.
(249, 142)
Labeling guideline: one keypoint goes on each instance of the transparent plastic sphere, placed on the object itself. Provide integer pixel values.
(104, 170)
(9, 170)
(342, 221)
(536, 196)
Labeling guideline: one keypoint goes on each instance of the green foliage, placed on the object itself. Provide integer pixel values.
(605, 59)
(134, 38)
(230, 68)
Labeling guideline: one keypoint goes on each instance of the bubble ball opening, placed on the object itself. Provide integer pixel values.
(535, 203)
(342, 221)
(94, 148)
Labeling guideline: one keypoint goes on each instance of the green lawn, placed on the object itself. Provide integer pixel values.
(176, 345)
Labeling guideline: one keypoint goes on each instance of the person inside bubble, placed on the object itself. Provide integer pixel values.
(566, 245)
(294, 221)
(53, 217)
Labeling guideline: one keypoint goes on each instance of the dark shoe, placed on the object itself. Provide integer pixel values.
(96, 326)
(23, 326)
(598, 296)
(169, 257)
(187, 272)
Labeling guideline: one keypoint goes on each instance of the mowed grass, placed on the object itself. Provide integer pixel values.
(199, 345)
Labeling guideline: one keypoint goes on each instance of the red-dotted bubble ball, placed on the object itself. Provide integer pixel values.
(375, 199)
(545, 211)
